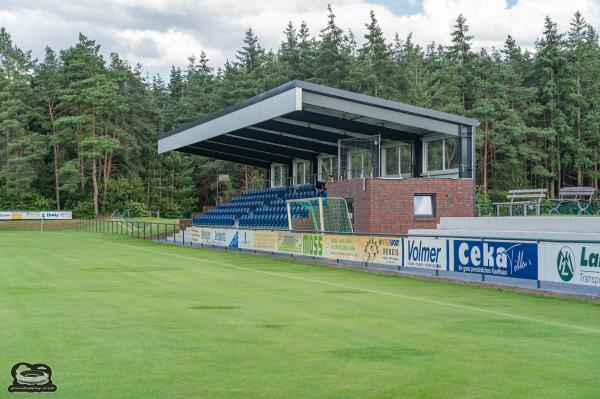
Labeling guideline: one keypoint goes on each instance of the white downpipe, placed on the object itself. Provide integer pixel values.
(321, 214)
(289, 213)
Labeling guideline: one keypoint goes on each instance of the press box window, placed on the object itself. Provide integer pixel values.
(424, 205)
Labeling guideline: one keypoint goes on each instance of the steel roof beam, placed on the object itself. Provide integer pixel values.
(225, 157)
(265, 136)
(242, 143)
(349, 125)
(242, 152)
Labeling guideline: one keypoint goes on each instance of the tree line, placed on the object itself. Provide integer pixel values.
(79, 130)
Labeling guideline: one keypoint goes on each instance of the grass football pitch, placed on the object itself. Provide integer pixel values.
(115, 317)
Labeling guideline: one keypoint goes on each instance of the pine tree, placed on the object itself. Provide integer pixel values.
(22, 148)
(48, 84)
(289, 52)
(549, 75)
(374, 72)
(460, 52)
(331, 59)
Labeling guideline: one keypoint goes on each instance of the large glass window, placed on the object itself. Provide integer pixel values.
(442, 154)
(328, 168)
(279, 175)
(361, 164)
(397, 159)
(301, 172)
(392, 161)
(406, 162)
(435, 155)
(451, 153)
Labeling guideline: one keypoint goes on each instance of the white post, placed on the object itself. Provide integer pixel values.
(321, 214)
(289, 213)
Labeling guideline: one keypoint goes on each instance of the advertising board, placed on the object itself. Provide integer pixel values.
(382, 250)
(425, 253)
(343, 247)
(289, 243)
(196, 235)
(225, 237)
(246, 239)
(571, 263)
(36, 215)
(265, 240)
(498, 258)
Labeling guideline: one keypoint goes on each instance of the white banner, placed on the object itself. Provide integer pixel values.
(425, 253)
(36, 215)
(571, 263)
(196, 235)
(246, 239)
(225, 237)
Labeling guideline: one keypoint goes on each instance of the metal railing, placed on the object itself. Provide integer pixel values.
(571, 209)
(160, 232)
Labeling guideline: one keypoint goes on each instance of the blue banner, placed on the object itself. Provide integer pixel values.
(507, 259)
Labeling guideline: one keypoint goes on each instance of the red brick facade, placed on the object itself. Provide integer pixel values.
(386, 206)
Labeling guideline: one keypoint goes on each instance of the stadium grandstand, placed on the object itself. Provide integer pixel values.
(396, 166)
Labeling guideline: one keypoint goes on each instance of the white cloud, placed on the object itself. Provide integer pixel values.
(160, 33)
(157, 49)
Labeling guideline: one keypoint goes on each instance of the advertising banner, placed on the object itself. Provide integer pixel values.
(289, 243)
(382, 250)
(225, 237)
(36, 215)
(343, 247)
(196, 235)
(498, 258)
(246, 239)
(206, 236)
(570, 263)
(265, 240)
(426, 253)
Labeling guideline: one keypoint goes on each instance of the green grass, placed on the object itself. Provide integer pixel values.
(121, 318)
(155, 220)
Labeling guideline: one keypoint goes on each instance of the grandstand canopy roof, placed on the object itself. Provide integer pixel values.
(299, 120)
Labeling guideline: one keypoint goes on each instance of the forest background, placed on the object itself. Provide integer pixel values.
(78, 131)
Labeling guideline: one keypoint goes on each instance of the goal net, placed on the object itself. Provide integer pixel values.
(321, 214)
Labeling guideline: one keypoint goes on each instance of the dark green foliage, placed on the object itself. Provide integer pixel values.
(78, 131)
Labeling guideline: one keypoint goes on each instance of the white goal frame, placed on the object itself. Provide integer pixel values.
(288, 204)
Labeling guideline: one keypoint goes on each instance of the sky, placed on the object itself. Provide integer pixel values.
(161, 33)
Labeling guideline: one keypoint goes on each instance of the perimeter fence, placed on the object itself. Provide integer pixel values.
(563, 265)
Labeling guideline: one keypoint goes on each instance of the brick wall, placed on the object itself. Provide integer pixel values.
(386, 205)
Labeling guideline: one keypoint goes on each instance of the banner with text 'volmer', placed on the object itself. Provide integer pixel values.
(426, 253)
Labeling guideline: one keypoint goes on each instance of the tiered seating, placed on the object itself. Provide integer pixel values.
(264, 209)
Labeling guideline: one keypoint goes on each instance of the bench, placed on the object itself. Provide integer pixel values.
(581, 196)
(527, 198)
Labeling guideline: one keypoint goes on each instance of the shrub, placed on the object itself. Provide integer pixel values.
(136, 209)
(83, 210)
